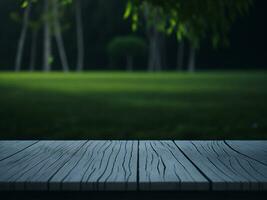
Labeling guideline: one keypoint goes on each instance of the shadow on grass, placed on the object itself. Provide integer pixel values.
(132, 109)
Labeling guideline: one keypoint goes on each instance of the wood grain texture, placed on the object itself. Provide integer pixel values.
(72, 165)
(256, 150)
(224, 167)
(102, 165)
(10, 148)
(131, 165)
(163, 167)
(32, 168)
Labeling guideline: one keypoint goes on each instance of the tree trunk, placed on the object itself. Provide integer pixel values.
(155, 53)
(47, 38)
(155, 41)
(160, 51)
(80, 41)
(22, 37)
(33, 49)
(192, 59)
(151, 53)
(180, 56)
(129, 64)
(163, 51)
(58, 37)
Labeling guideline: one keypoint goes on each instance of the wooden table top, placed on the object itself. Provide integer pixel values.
(132, 165)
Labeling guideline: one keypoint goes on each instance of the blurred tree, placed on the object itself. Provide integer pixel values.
(25, 23)
(180, 55)
(127, 47)
(52, 26)
(156, 37)
(103, 23)
(35, 25)
(34, 22)
(194, 20)
(47, 58)
(79, 34)
(58, 36)
(97, 19)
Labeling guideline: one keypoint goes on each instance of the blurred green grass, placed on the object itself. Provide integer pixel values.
(118, 105)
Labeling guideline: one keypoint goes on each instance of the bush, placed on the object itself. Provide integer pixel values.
(128, 48)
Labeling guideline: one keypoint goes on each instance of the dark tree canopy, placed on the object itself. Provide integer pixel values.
(194, 19)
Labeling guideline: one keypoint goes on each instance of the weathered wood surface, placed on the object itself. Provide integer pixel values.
(101, 165)
(133, 165)
(163, 167)
(10, 148)
(72, 165)
(256, 150)
(225, 168)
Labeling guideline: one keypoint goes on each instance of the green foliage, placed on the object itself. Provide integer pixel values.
(128, 10)
(196, 19)
(131, 11)
(24, 4)
(66, 2)
(126, 46)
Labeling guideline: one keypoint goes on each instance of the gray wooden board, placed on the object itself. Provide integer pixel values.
(32, 168)
(253, 149)
(72, 165)
(163, 167)
(102, 165)
(224, 167)
(119, 165)
(9, 148)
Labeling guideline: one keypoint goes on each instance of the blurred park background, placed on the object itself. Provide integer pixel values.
(137, 69)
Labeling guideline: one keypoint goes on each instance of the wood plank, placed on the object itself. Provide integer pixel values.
(163, 167)
(117, 165)
(253, 149)
(12, 165)
(11, 147)
(32, 168)
(60, 153)
(112, 166)
(72, 165)
(224, 167)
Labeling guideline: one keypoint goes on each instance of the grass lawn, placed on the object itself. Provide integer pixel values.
(117, 105)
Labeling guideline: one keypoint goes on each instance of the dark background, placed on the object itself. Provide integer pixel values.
(103, 21)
